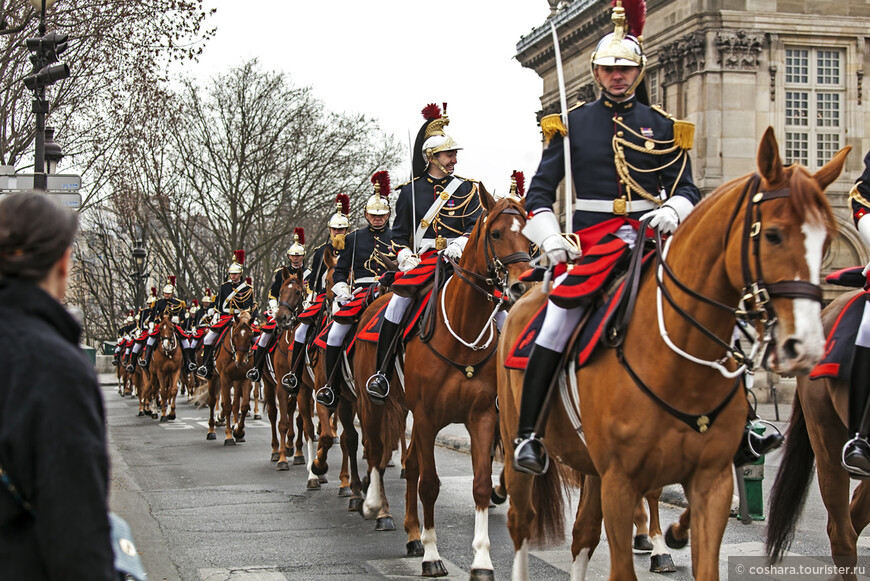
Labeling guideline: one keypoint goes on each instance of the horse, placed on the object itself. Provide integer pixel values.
(449, 378)
(166, 365)
(817, 430)
(232, 361)
(758, 239)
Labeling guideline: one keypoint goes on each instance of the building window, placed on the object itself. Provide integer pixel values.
(652, 81)
(814, 98)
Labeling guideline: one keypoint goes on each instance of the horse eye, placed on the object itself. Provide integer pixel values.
(495, 234)
(773, 236)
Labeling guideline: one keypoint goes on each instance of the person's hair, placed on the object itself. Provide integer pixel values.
(34, 234)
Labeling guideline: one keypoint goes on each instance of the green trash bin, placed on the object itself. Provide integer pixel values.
(753, 474)
(91, 353)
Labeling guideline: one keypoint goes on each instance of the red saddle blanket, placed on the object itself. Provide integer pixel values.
(370, 332)
(840, 346)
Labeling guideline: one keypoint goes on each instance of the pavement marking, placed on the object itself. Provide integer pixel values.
(242, 574)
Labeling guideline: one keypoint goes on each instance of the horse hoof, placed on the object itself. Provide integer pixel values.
(154, 415)
(402, 474)
(298, 460)
(672, 541)
(275, 457)
(239, 436)
(229, 442)
(281, 466)
(434, 569)
(258, 417)
(220, 423)
(642, 543)
(322, 479)
(240, 439)
(497, 497)
(355, 505)
(313, 484)
(344, 491)
(319, 468)
(481, 575)
(414, 548)
(211, 436)
(170, 417)
(141, 414)
(662, 564)
(163, 419)
(385, 523)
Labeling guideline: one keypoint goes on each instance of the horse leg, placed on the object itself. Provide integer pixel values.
(660, 560)
(677, 535)
(227, 409)
(618, 502)
(344, 473)
(482, 431)
(272, 414)
(346, 413)
(709, 495)
(305, 425)
(258, 388)
(586, 533)
(859, 508)
(374, 455)
(324, 442)
(414, 546)
(212, 402)
(429, 488)
(285, 425)
(173, 393)
(245, 407)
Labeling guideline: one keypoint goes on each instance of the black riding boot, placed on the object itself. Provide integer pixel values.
(530, 454)
(131, 361)
(259, 359)
(207, 368)
(856, 452)
(378, 385)
(290, 382)
(327, 395)
(145, 360)
(116, 360)
(190, 358)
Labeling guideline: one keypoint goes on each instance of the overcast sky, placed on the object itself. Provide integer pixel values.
(389, 58)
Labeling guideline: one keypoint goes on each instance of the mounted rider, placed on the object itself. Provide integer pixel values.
(235, 295)
(295, 267)
(143, 328)
(200, 319)
(359, 267)
(629, 162)
(124, 331)
(176, 309)
(435, 213)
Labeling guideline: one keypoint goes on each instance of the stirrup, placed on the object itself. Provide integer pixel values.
(376, 377)
(202, 371)
(253, 374)
(851, 469)
(325, 396)
(142, 362)
(531, 440)
(191, 366)
(759, 453)
(290, 383)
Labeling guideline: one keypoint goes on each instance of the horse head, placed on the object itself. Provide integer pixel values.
(290, 299)
(496, 248)
(780, 226)
(330, 261)
(241, 337)
(166, 330)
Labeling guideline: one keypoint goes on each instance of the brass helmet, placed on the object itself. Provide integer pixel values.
(431, 139)
(379, 203)
(624, 46)
(170, 286)
(208, 298)
(518, 186)
(194, 306)
(238, 261)
(342, 210)
(153, 298)
(298, 246)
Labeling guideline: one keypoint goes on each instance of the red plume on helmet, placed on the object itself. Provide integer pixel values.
(240, 256)
(520, 178)
(343, 201)
(300, 232)
(431, 111)
(635, 16)
(195, 303)
(208, 292)
(153, 291)
(381, 180)
(172, 279)
(248, 280)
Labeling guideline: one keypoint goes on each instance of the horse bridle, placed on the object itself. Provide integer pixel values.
(294, 310)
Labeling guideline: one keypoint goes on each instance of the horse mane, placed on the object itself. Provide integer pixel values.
(245, 317)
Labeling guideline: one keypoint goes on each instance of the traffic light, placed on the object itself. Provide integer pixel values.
(46, 51)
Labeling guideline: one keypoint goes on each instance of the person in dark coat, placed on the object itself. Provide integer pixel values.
(52, 423)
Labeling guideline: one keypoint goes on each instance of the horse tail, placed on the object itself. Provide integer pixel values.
(791, 485)
(548, 500)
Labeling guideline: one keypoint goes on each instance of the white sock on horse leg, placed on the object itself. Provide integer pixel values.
(480, 543)
(429, 538)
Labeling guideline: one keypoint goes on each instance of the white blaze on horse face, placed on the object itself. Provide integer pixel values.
(429, 538)
(374, 496)
(580, 565)
(807, 313)
(480, 543)
(516, 227)
(520, 571)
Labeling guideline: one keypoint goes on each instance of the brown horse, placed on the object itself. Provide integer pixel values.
(817, 429)
(451, 378)
(166, 367)
(649, 416)
(232, 361)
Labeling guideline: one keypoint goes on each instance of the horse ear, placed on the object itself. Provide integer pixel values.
(486, 200)
(831, 170)
(769, 162)
(329, 259)
(285, 274)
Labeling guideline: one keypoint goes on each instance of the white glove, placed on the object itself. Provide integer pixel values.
(175, 319)
(151, 326)
(455, 248)
(407, 259)
(342, 293)
(273, 305)
(543, 230)
(668, 216)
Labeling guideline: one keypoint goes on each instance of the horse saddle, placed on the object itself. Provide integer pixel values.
(840, 345)
(369, 333)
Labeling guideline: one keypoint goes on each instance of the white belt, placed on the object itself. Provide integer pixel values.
(429, 243)
(366, 280)
(618, 206)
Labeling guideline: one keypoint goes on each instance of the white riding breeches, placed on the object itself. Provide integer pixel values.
(863, 339)
(396, 308)
(337, 333)
(264, 339)
(210, 338)
(301, 332)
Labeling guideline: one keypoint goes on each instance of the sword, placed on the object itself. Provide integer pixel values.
(563, 101)
(413, 197)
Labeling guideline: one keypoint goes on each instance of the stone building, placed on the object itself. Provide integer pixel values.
(735, 67)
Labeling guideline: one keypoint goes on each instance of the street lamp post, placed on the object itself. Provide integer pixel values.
(139, 275)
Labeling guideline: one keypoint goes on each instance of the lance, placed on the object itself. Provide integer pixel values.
(413, 197)
(563, 101)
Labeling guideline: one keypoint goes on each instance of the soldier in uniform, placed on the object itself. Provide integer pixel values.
(201, 319)
(856, 452)
(175, 308)
(359, 267)
(296, 256)
(338, 225)
(629, 162)
(435, 212)
(126, 328)
(235, 295)
(143, 317)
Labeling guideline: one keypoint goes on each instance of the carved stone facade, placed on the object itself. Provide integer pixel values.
(729, 67)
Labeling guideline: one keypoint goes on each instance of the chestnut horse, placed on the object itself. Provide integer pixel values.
(649, 416)
(449, 379)
(817, 428)
(166, 367)
(232, 361)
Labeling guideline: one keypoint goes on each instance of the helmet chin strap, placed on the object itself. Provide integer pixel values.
(433, 160)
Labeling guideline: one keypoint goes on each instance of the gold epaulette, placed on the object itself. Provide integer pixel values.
(406, 183)
(577, 105)
(855, 194)
(684, 131)
(551, 125)
(467, 179)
